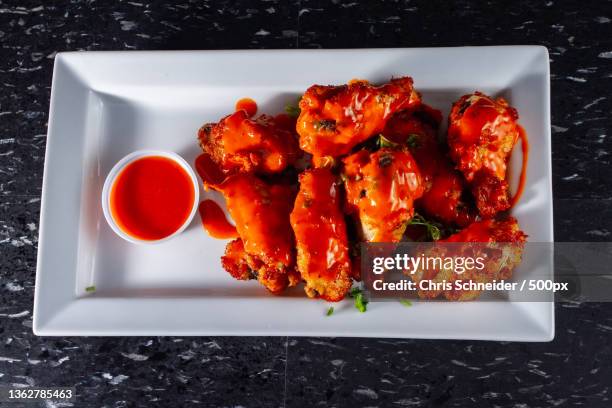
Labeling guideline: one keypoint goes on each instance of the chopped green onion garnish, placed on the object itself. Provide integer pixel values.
(406, 302)
(432, 229)
(413, 140)
(292, 111)
(360, 301)
(384, 142)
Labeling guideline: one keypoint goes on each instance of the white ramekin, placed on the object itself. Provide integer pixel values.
(121, 164)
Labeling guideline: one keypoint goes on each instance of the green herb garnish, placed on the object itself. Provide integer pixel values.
(292, 111)
(326, 161)
(406, 302)
(324, 124)
(90, 289)
(413, 140)
(433, 230)
(385, 160)
(360, 301)
(330, 311)
(384, 142)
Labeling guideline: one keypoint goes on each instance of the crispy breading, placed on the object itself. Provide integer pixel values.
(235, 262)
(502, 241)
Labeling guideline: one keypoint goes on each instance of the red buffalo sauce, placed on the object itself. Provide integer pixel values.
(209, 171)
(248, 105)
(151, 198)
(523, 177)
(479, 231)
(285, 121)
(215, 222)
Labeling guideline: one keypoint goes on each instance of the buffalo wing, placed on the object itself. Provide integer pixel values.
(444, 196)
(481, 134)
(501, 240)
(261, 214)
(380, 191)
(334, 119)
(240, 144)
(320, 233)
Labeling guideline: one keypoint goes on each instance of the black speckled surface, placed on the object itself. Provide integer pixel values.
(573, 370)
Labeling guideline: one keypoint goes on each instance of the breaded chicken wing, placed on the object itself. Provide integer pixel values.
(380, 191)
(501, 241)
(261, 214)
(444, 195)
(238, 143)
(505, 230)
(334, 119)
(235, 261)
(320, 233)
(481, 134)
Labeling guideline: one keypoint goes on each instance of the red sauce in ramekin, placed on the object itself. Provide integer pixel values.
(151, 198)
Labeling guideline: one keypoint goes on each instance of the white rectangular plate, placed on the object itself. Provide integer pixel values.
(105, 105)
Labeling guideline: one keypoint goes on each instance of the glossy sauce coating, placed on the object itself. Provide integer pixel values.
(334, 119)
(482, 132)
(380, 189)
(151, 198)
(506, 230)
(320, 232)
(523, 176)
(261, 214)
(444, 187)
(214, 221)
(284, 239)
(241, 144)
(209, 172)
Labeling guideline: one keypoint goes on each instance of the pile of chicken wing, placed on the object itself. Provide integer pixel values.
(353, 165)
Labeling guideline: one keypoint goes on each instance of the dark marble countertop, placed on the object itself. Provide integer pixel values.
(573, 370)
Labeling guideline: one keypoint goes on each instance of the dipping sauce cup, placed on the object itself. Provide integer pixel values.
(150, 196)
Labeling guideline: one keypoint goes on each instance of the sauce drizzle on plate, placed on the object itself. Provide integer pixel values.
(523, 177)
(215, 222)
